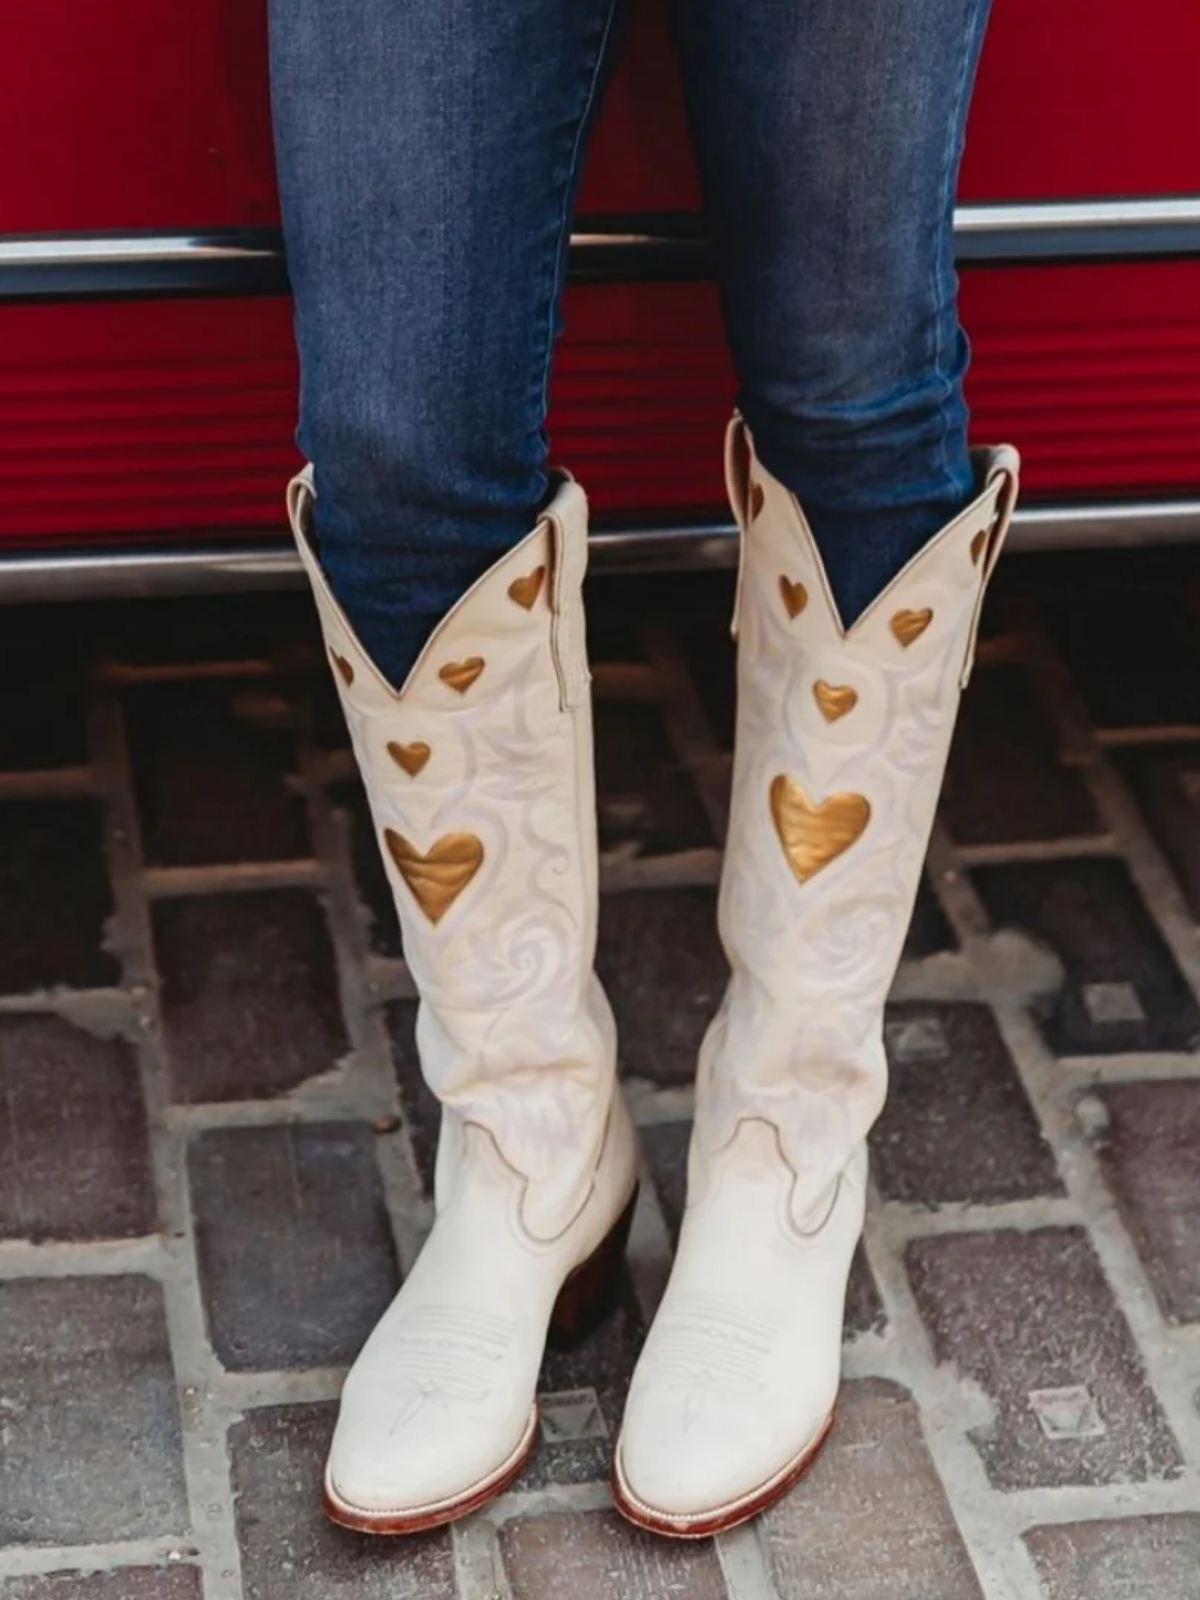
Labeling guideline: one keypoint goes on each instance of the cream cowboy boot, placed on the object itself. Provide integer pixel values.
(479, 775)
(842, 737)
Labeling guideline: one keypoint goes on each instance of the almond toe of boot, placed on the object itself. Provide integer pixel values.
(391, 1473)
(689, 1466)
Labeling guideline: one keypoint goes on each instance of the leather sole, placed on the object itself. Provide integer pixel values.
(719, 1519)
(587, 1297)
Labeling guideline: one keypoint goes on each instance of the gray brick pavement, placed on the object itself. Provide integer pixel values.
(216, 1154)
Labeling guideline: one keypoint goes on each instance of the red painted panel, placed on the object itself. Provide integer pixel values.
(133, 420)
(139, 114)
(130, 420)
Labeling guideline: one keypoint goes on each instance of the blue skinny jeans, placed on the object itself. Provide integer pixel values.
(428, 160)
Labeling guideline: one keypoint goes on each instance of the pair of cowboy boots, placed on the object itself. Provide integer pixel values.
(479, 773)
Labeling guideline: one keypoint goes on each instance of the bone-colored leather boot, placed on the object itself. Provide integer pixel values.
(479, 776)
(842, 738)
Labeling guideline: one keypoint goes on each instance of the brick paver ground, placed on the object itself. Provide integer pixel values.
(216, 1150)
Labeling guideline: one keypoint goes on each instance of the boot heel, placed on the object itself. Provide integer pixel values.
(591, 1293)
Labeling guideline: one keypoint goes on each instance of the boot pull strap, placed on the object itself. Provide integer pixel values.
(567, 517)
(300, 495)
(1004, 475)
(739, 453)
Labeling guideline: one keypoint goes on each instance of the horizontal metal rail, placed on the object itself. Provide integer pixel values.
(639, 247)
(208, 567)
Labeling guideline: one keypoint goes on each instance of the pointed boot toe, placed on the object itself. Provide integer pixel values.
(414, 1464)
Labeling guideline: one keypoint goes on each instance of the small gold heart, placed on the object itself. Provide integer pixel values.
(908, 626)
(345, 670)
(437, 878)
(412, 757)
(460, 675)
(834, 699)
(526, 590)
(757, 500)
(977, 544)
(814, 835)
(795, 597)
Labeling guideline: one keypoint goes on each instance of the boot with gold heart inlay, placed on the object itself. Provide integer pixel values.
(841, 741)
(478, 770)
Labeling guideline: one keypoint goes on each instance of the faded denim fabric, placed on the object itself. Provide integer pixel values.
(428, 161)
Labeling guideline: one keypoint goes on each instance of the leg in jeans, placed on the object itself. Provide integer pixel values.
(428, 156)
(829, 136)
(427, 159)
(829, 133)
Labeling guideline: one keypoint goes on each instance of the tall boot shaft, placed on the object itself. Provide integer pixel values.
(842, 740)
(478, 770)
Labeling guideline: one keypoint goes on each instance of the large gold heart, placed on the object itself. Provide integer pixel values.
(526, 590)
(411, 757)
(814, 835)
(908, 626)
(834, 699)
(438, 877)
(460, 675)
(795, 597)
(345, 670)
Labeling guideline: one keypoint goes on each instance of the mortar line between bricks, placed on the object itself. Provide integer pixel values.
(387, 978)
(479, 1570)
(231, 877)
(236, 1393)
(95, 1010)
(128, 675)
(371, 1072)
(205, 1465)
(680, 869)
(1086, 1071)
(554, 1497)
(1050, 1507)
(37, 1560)
(103, 1258)
(49, 783)
(1116, 1250)
(744, 1564)
(902, 1224)
(1015, 854)
(336, 1096)
(1168, 733)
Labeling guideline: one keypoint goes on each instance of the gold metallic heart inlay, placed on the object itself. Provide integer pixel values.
(908, 626)
(526, 590)
(813, 835)
(977, 544)
(834, 699)
(345, 670)
(411, 757)
(460, 675)
(795, 597)
(437, 878)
